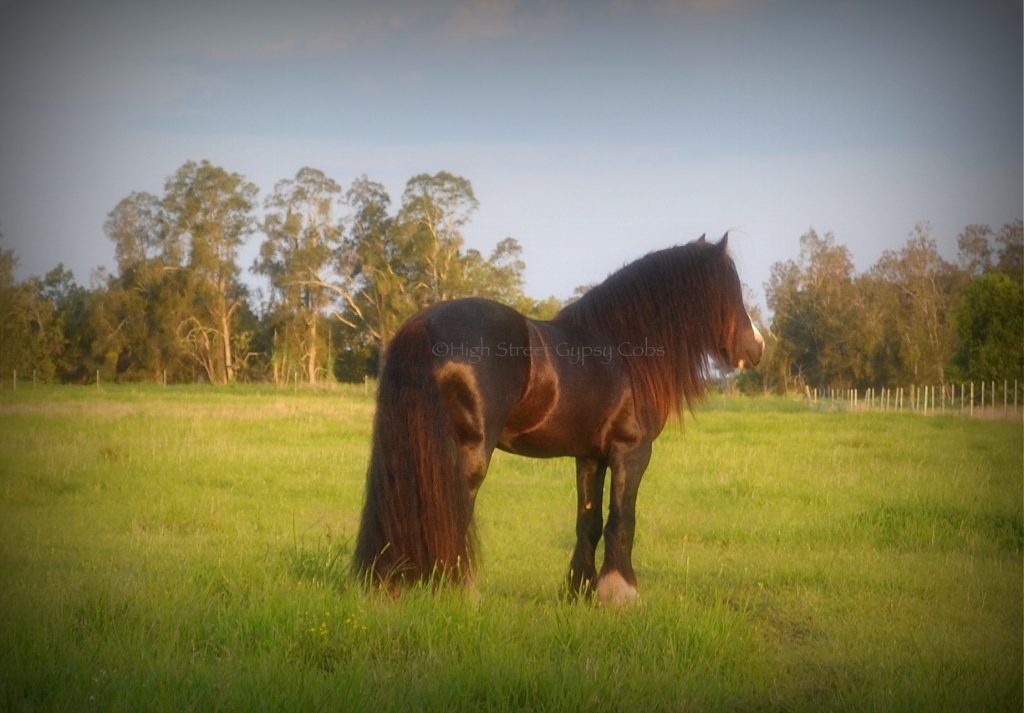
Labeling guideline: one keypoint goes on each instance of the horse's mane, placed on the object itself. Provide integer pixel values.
(676, 301)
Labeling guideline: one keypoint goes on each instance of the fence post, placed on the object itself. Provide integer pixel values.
(970, 411)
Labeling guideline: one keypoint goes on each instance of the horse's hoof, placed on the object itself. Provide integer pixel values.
(614, 591)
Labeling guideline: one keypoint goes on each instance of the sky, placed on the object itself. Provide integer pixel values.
(592, 132)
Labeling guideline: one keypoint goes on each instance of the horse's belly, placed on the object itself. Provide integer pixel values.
(549, 442)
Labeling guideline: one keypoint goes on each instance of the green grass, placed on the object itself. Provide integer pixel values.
(187, 549)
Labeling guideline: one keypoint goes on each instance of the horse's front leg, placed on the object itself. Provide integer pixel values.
(617, 584)
(589, 491)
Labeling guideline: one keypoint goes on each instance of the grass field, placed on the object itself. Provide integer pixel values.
(187, 549)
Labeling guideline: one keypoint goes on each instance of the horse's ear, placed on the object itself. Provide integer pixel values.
(724, 242)
(702, 239)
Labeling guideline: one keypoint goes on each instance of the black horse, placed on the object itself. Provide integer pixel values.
(598, 382)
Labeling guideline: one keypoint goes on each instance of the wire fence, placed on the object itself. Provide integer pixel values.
(974, 399)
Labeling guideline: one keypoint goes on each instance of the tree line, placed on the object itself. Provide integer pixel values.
(912, 318)
(345, 267)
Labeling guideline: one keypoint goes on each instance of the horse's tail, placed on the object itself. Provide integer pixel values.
(417, 515)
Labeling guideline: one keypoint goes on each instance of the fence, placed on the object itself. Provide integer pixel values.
(13, 383)
(985, 399)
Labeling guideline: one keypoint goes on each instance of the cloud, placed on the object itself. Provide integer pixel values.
(350, 32)
(483, 20)
(676, 8)
(350, 28)
(269, 49)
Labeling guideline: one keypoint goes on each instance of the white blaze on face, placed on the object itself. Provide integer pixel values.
(759, 344)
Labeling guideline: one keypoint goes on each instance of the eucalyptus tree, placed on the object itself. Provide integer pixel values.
(817, 313)
(404, 262)
(208, 216)
(1010, 249)
(299, 255)
(16, 348)
(923, 290)
(435, 208)
(499, 277)
(378, 266)
(974, 249)
(137, 313)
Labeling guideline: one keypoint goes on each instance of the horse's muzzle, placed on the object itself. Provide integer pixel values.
(750, 348)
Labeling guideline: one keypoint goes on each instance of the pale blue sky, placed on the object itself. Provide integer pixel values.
(592, 132)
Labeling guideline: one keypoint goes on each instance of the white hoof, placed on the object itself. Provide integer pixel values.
(613, 590)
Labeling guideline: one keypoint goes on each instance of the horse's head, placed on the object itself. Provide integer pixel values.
(742, 344)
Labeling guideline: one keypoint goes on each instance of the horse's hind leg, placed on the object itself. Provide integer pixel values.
(464, 404)
(590, 475)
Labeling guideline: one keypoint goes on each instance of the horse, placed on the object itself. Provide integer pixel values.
(596, 383)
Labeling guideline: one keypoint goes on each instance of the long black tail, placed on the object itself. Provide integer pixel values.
(417, 514)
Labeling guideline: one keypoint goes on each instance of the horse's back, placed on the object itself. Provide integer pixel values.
(472, 317)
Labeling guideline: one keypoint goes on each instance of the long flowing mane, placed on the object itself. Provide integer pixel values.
(674, 306)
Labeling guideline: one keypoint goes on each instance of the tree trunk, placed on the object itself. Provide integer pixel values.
(225, 329)
(311, 350)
